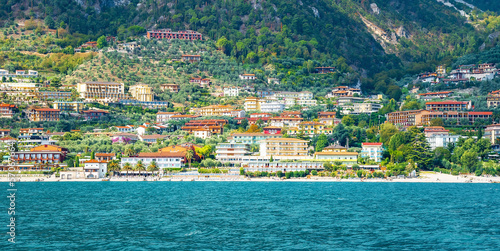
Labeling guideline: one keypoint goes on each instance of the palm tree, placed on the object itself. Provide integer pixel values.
(113, 166)
(127, 167)
(189, 156)
(129, 151)
(139, 167)
(152, 167)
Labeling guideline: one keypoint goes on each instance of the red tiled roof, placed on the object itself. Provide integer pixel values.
(435, 93)
(104, 154)
(372, 144)
(480, 113)
(447, 103)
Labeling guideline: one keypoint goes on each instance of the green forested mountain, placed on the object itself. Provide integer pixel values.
(377, 40)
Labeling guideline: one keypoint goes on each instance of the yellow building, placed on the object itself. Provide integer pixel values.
(102, 91)
(252, 104)
(141, 92)
(337, 153)
(213, 110)
(310, 128)
(284, 148)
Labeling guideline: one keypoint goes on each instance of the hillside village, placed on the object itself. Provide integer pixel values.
(187, 118)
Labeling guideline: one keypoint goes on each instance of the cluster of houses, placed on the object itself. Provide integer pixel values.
(481, 72)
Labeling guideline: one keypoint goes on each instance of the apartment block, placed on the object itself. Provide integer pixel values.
(448, 105)
(284, 148)
(69, 106)
(141, 92)
(102, 91)
(372, 151)
(252, 138)
(44, 114)
(7, 110)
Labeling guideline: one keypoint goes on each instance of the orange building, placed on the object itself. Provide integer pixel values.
(44, 114)
(44, 154)
(7, 110)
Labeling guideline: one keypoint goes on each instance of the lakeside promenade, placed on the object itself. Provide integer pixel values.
(425, 177)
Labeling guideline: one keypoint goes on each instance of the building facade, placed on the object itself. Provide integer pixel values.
(102, 91)
(44, 114)
(169, 34)
(142, 92)
(372, 151)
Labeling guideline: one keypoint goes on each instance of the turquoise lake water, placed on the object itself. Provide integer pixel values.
(254, 216)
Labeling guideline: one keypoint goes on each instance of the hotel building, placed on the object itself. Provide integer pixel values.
(102, 91)
(337, 153)
(437, 136)
(284, 148)
(49, 154)
(372, 151)
(448, 106)
(284, 167)
(7, 110)
(141, 92)
(163, 159)
(251, 138)
(310, 128)
(212, 110)
(44, 114)
(95, 169)
(69, 106)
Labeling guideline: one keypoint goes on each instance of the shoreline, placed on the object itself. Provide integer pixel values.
(425, 177)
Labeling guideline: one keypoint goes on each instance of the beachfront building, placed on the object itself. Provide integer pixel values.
(283, 167)
(284, 148)
(169, 34)
(335, 153)
(162, 159)
(232, 152)
(251, 138)
(44, 155)
(102, 91)
(438, 136)
(372, 151)
(95, 169)
(141, 92)
(107, 157)
(492, 132)
(43, 114)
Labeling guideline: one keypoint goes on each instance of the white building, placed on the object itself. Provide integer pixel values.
(437, 136)
(163, 117)
(202, 133)
(95, 169)
(247, 76)
(162, 159)
(273, 107)
(231, 92)
(372, 150)
(284, 167)
(141, 130)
